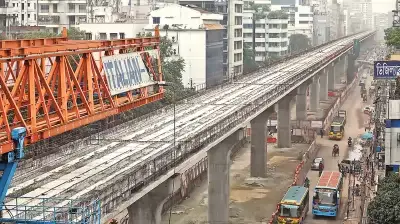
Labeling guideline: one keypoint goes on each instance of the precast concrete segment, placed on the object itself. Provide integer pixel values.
(331, 77)
(110, 163)
(148, 209)
(218, 180)
(314, 97)
(258, 156)
(323, 85)
(284, 129)
(301, 102)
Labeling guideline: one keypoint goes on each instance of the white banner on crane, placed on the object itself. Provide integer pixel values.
(125, 72)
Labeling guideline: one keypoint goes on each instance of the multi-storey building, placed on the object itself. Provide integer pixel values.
(197, 37)
(260, 30)
(333, 16)
(18, 13)
(380, 24)
(346, 23)
(278, 37)
(300, 18)
(232, 12)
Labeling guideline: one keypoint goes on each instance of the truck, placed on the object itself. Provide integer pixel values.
(336, 131)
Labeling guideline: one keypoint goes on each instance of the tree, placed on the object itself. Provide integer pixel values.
(299, 42)
(279, 14)
(73, 34)
(385, 207)
(249, 63)
(392, 37)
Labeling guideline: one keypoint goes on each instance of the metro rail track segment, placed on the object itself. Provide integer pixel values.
(53, 85)
(118, 173)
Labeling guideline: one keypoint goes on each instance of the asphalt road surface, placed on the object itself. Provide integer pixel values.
(354, 127)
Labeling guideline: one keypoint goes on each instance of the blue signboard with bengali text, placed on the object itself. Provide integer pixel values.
(386, 69)
(125, 72)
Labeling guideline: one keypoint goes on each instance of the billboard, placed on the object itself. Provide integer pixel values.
(386, 69)
(125, 72)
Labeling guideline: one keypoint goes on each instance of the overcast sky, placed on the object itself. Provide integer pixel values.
(383, 6)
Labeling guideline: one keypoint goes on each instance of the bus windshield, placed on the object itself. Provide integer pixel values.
(335, 129)
(290, 211)
(325, 197)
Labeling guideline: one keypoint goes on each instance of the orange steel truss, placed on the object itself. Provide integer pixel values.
(54, 85)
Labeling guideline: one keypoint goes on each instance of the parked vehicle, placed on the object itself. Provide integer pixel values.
(315, 163)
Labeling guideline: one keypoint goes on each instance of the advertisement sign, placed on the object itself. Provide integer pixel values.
(125, 72)
(386, 69)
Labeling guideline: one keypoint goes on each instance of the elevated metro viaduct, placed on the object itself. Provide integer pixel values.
(329, 64)
(256, 94)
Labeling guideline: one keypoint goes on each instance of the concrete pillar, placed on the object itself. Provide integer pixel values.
(323, 85)
(331, 77)
(284, 128)
(345, 66)
(301, 102)
(338, 71)
(218, 180)
(314, 97)
(258, 156)
(147, 210)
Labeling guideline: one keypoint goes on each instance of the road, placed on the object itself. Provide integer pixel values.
(354, 127)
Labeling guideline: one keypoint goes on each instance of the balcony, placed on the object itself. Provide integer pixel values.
(277, 30)
(278, 39)
(48, 20)
(261, 49)
(277, 49)
(260, 30)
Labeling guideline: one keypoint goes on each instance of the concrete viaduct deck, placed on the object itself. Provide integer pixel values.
(138, 175)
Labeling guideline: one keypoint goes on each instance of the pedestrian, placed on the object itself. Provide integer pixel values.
(321, 132)
(320, 168)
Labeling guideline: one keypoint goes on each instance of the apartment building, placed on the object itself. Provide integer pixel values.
(232, 12)
(197, 37)
(261, 35)
(278, 35)
(380, 24)
(300, 18)
(18, 13)
(333, 16)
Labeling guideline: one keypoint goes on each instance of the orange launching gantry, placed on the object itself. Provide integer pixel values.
(53, 85)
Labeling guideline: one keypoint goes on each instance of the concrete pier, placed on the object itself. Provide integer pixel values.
(147, 210)
(258, 154)
(331, 77)
(314, 97)
(301, 102)
(218, 180)
(284, 128)
(323, 85)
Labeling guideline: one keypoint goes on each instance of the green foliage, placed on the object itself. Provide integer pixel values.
(299, 42)
(385, 207)
(279, 14)
(73, 34)
(173, 66)
(392, 37)
(260, 11)
(249, 64)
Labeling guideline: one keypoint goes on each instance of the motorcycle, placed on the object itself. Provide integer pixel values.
(349, 142)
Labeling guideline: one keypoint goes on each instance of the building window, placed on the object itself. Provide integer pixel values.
(121, 35)
(237, 57)
(103, 36)
(238, 8)
(262, 26)
(88, 36)
(23, 6)
(113, 36)
(71, 7)
(34, 17)
(238, 20)
(82, 8)
(156, 20)
(247, 26)
(238, 45)
(29, 15)
(273, 26)
(55, 8)
(303, 22)
(304, 15)
(238, 32)
(284, 26)
(29, 5)
(44, 8)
